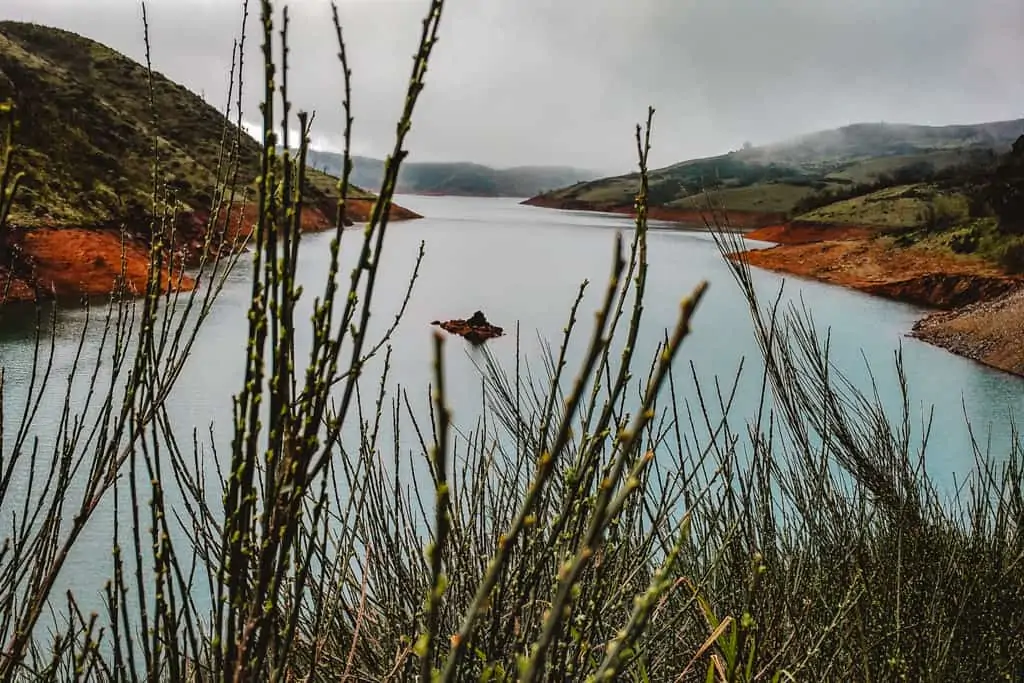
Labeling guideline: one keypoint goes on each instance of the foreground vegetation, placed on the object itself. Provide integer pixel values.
(583, 531)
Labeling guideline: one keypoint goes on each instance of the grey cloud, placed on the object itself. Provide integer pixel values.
(565, 81)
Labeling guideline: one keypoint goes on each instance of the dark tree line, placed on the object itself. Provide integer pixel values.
(1005, 193)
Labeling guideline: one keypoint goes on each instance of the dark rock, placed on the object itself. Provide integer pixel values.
(476, 330)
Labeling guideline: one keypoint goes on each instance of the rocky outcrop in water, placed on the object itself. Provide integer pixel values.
(475, 330)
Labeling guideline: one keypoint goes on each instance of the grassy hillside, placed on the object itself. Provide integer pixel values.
(466, 179)
(84, 141)
(902, 206)
(789, 177)
(767, 197)
(870, 170)
(980, 213)
(86, 131)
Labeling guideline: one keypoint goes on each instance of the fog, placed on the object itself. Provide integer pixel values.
(564, 82)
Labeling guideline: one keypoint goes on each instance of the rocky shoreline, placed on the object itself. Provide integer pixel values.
(990, 332)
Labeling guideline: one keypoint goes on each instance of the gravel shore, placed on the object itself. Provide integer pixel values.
(991, 332)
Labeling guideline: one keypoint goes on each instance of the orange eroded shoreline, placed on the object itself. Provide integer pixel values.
(72, 262)
(981, 309)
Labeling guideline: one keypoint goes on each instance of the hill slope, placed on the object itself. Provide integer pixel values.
(955, 243)
(764, 184)
(84, 141)
(462, 179)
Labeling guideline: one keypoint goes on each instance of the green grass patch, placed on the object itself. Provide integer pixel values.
(767, 197)
(979, 237)
(904, 206)
(617, 190)
(870, 170)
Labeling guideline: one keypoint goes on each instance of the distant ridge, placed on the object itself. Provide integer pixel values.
(456, 178)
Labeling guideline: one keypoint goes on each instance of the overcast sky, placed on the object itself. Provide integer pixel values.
(564, 81)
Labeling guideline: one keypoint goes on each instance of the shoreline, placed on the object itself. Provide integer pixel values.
(976, 309)
(979, 332)
(738, 220)
(67, 263)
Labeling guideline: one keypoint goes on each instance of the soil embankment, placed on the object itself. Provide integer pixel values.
(71, 262)
(737, 219)
(982, 308)
(916, 276)
(808, 233)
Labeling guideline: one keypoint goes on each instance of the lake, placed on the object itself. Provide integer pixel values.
(522, 266)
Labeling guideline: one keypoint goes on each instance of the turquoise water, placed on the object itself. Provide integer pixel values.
(522, 266)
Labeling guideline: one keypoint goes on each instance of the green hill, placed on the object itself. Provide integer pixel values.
(86, 121)
(793, 177)
(86, 129)
(459, 178)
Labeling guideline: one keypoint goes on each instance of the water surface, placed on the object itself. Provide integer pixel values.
(522, 266)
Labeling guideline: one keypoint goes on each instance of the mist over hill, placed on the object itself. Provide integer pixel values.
(778, 178)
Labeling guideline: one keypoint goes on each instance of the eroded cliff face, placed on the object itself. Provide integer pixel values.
(919, 276)
(69, 263)
(945, 290)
